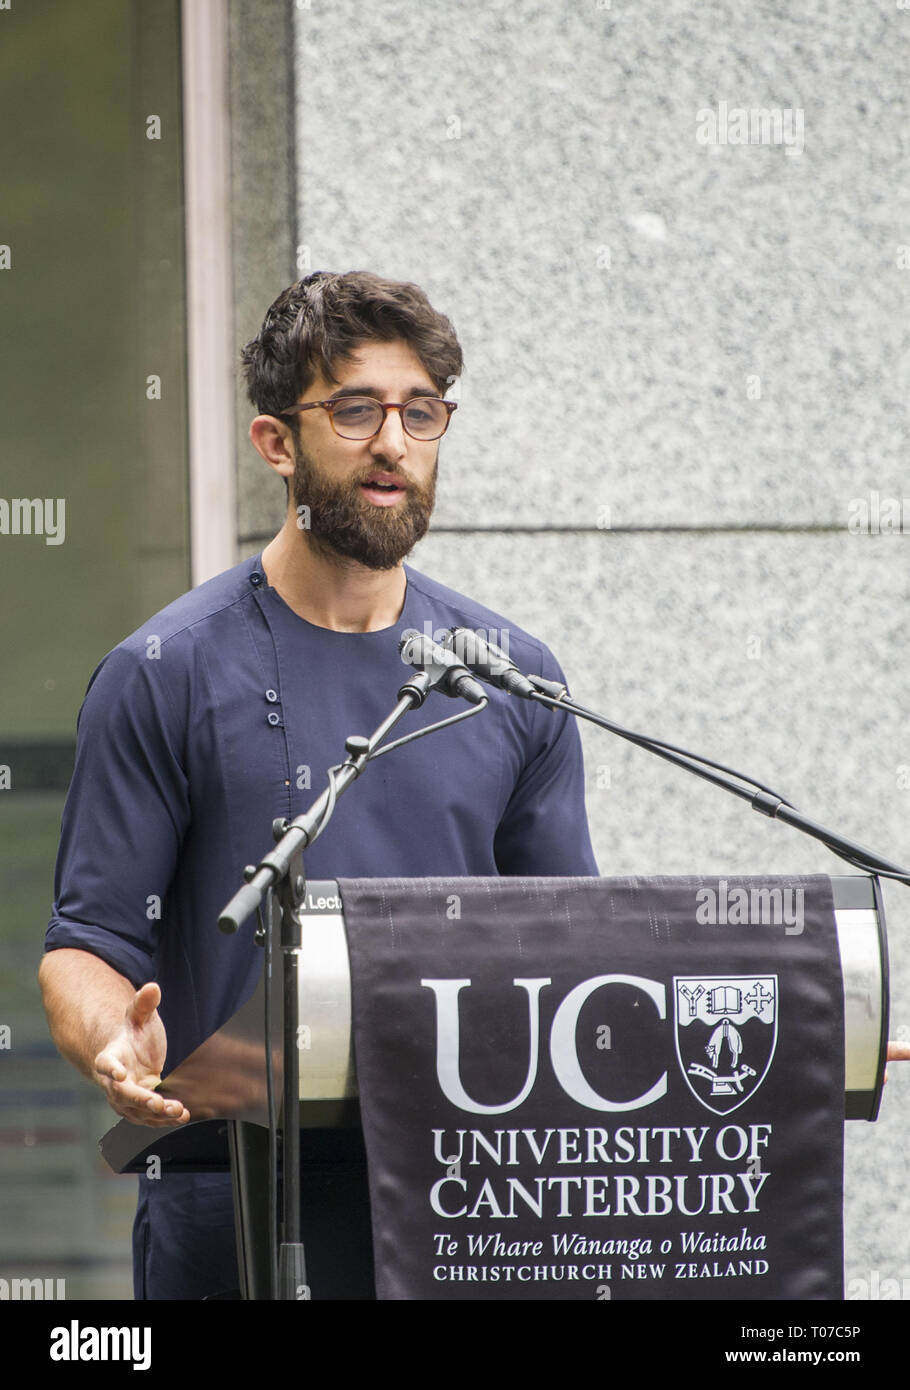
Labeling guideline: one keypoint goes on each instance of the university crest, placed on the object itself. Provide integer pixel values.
(726, 1034)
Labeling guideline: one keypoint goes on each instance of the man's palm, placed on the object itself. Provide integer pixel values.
(129, 1067)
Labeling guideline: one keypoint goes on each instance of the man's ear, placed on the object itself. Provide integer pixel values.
(273, 439)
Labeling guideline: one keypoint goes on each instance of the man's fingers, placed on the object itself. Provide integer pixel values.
(140, 1116)
(142, 1106)
(140, 1097)
(144, 1003)
(898, 1052)
(109, 1066)
(136, 1094)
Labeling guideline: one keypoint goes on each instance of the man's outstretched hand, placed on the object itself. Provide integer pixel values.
(897, 1052)
(129, 1068)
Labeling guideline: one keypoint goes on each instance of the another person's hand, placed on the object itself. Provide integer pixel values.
(129, 1068)
(897, 1052)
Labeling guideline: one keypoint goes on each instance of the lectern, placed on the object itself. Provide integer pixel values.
(223, 1082)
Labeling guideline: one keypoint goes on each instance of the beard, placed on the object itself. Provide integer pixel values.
(344, 525)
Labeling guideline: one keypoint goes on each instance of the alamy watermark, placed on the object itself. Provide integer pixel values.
(875, 1288)
(34, 516)
(764, 907)
(757, 125)
(85, 1343)
(878, 516)
(27, 1290)
(494, 636)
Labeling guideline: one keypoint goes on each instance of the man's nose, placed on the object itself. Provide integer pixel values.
(391, 441)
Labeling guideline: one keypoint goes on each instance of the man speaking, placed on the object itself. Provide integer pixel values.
(224, 711)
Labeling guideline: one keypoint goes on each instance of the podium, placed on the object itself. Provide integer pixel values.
(223, 1081)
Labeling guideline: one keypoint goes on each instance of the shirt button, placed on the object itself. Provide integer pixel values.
(274, 718)
(271, 696)
(256, 578)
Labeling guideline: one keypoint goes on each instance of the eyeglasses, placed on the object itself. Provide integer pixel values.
(361, 417)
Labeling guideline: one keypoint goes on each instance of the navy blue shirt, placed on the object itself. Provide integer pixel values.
(224, 711)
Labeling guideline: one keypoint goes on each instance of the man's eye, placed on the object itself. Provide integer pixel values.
(350, 414)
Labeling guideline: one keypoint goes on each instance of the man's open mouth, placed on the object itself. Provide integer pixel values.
(383, 484)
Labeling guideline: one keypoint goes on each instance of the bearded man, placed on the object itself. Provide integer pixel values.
(223, 711)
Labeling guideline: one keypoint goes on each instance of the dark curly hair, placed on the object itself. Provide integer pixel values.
(321, 320)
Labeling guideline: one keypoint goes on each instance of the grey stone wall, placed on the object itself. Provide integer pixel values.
(687, 367)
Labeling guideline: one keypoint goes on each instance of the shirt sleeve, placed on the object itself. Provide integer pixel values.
(544, 831)
(126, 814)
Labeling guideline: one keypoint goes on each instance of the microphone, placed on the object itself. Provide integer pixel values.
(446, 672)
(488, 661)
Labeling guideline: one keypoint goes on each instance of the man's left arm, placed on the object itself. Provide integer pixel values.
(544, 831)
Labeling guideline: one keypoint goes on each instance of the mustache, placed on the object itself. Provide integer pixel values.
(398, 474)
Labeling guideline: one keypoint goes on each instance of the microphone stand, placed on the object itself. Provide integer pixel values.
(283, 870)
(768, 803)
(494, 665)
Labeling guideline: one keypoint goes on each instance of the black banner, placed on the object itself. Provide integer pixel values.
(600, 1088)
